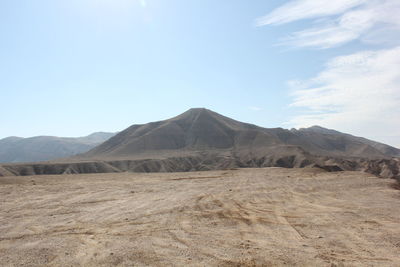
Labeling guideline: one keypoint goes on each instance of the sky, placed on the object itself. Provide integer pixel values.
(70, 68)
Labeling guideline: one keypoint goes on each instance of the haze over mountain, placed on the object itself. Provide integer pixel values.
(41, 148)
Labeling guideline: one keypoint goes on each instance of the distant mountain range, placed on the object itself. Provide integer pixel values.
(201, 139)
(42, 148)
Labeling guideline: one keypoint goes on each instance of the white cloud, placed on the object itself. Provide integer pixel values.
(343, 21)
(305, 9)
(357, 93)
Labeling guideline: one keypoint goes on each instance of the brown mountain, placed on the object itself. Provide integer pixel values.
(201, 129)
(200, 139)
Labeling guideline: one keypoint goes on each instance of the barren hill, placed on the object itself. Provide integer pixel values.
(201, 129)
(40, 148)
(201, 139)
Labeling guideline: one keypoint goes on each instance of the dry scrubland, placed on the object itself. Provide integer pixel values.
(245, 217)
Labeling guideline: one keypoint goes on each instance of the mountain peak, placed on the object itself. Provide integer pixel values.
(12, 138)
(319, 129)
(198, 109)
(193, 112)
(195, 129)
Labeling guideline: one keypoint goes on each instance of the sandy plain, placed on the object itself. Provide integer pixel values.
(244, 217)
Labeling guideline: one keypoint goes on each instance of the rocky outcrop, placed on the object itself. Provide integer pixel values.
(58, 168)
(383, 168)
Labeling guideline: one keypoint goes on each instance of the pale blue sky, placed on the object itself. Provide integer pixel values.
(69, 68)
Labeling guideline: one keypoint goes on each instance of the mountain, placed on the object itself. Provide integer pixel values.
(201, 139)
(41, 148)
(200, 129)
(384, 149)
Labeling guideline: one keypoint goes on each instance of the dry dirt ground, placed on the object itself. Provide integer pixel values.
(245, 217)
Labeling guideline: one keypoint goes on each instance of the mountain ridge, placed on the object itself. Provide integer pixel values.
(200, 139)
(43, 148)
(202, 129)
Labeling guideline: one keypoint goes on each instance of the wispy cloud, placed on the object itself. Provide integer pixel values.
(305, 9)
(357, 93)
(343, 21)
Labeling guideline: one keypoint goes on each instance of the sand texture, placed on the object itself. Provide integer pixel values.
(244, 217)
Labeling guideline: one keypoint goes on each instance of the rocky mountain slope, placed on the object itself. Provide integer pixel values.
(205, 130)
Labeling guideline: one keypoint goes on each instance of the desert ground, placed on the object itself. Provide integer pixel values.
(243, 217)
